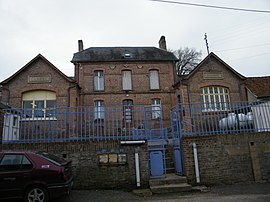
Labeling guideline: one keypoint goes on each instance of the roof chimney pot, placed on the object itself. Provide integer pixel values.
(80, 44)
(162, 43)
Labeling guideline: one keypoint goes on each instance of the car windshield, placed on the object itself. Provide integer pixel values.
(52, 158)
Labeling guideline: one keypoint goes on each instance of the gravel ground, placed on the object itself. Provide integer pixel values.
(238, 193)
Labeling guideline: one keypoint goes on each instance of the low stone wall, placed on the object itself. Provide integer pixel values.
(228, 159)
(103, 164)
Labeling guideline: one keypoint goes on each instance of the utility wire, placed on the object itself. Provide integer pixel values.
(252, 56)
(210, 6)
(234, 49)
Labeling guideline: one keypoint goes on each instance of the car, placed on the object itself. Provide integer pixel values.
(34, 176)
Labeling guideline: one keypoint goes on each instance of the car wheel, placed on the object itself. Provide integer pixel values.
(36, 194)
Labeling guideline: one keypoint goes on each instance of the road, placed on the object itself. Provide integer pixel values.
(225, 193)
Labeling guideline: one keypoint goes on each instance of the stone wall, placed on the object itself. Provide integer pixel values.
(98, 164)
(228, 159)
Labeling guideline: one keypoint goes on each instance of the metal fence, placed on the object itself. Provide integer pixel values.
(220, 118)
(88, 123)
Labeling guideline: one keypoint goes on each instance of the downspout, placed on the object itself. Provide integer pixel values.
(69, 93)
(195, 153)
(137, 166)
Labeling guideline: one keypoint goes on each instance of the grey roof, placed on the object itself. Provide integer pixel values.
(109, 54)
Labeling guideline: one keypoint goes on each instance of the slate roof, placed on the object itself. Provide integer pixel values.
(111, 54)
(259, 86)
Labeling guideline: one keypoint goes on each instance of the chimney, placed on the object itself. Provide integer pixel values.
(80, 44)
(162, 43)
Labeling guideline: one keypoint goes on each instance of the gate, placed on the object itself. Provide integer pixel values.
(156, 140)
(175, 115)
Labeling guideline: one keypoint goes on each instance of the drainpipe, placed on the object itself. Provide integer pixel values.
(137, 166)
(196, 162)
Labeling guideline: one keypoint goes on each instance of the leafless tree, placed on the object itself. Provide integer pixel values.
(188, 60)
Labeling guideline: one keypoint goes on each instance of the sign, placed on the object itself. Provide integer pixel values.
(212, 75)
(40, 79)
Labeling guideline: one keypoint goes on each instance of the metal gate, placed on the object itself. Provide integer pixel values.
(175, 115)
(156, 140)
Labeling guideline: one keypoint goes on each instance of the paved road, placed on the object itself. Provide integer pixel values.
(238, 193)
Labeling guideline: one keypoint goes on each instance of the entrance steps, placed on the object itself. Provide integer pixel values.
(170, 184)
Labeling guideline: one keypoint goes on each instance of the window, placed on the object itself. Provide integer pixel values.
(39, 104)
(12, 162)
(154, 80)
(215, 98)
(126, 80)
(99, 109)
(98, 81)
(128, 108)
(156, 108)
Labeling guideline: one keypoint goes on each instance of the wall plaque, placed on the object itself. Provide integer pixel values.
(39, 79)
(212, 75)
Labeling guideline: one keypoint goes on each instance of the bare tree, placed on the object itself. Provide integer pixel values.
(188, 60)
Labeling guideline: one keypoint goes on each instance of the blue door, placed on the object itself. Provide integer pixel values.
(156, 164)
(176, 137)
(178, 161)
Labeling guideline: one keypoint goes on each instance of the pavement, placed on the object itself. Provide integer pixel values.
(257, 192)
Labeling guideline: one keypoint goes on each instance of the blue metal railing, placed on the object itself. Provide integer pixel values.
(87, 123)
(236, 117)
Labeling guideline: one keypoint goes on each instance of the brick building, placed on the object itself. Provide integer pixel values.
(111, 76)
(39, 84)
(211, 82)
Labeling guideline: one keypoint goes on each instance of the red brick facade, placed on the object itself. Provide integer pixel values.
(212, 71)
(39, 74)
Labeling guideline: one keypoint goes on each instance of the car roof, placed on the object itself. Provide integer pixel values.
(17, 152)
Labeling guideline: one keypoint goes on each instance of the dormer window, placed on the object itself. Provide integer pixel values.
(127, 55)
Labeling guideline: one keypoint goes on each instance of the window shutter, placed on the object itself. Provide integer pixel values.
(154, 79)
(127, 85)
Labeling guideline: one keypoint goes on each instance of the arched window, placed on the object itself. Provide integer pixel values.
(98, 81)
(128, 108)
(39, 104)
(215, 98)
(99, 109)
(156, 108)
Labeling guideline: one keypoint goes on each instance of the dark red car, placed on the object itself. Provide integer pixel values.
(34, 176)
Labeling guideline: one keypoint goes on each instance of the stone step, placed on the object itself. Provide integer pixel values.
(170, 170)
(171, 188)
(170, 178)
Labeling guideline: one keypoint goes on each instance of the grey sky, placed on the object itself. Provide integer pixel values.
(53, 27)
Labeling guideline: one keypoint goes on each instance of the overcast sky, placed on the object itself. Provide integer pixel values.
(53, 28)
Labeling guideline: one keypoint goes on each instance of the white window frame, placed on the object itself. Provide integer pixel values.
(98, 80)
(36, 111)
(128, 110)
(127, 79)
(154, 79)
(215, 98)
(156, 108)
(99, 112)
